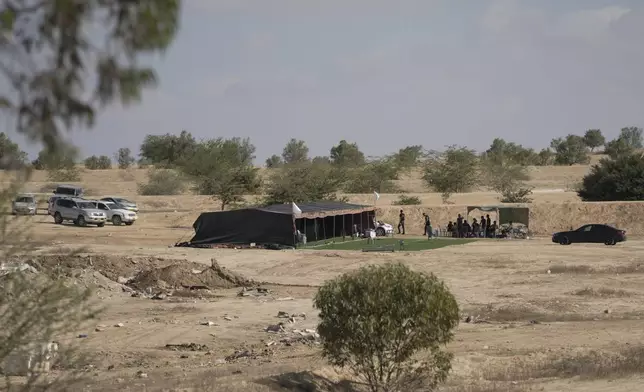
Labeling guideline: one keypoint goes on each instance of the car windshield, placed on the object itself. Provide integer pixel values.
(86, 205)
(25, 199)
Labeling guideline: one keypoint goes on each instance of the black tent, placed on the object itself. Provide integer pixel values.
(274, 224)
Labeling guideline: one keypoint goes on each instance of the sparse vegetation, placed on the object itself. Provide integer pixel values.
(162, 182)
(376, 320)
(405, 200)
(602, 292)
(98, 163)
(588, 365)
(124, 158)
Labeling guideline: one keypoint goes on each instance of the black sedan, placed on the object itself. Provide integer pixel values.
(590, 234)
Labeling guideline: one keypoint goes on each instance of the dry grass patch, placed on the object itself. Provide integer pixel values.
(602, 292)
(634, 268)
(571, 269)
(487, 387)
(590, 365)
(517, 313)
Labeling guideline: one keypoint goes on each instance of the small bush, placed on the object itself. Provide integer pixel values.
(404, 200)
(376, 320)
(162, 182)
(98, 163)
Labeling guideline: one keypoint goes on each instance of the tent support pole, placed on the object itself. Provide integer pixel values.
(324, 227)
(294, 232)
(334, 233)
(344, 228)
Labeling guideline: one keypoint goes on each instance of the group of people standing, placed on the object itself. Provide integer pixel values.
(485, 228)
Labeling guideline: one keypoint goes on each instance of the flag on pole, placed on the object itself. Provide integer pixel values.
(296, 210)
(376, 195)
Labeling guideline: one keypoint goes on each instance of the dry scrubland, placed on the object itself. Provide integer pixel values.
(555, 206)
(577, 328)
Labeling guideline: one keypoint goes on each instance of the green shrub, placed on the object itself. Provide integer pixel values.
(404, 200)
(620, 179)
(98, 163)
(387, 324)
(162, 182)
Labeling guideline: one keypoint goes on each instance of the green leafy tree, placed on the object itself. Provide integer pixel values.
(632, 136)
(594, 138)
(628, 141)
(295, 151)
(11, 156)
(223, 168)
(617, 148)
(508, 179)
(570, 151)
(168, 150)
(502, 152)
(619, 179)
(302, 183)
(124, 158)
(274, 161)
(545, 157)
(388, 324)
(60, 163)
(408, 157)
(49, 56)
(321, 160)
(377, 175)
(453, 171)
(347, 154)
(94, 162)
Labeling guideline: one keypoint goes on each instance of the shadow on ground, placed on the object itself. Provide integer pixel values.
(307, 382)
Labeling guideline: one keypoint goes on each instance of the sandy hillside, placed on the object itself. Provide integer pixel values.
(576, 328)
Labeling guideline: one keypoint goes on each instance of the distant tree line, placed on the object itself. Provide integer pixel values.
(224, 168)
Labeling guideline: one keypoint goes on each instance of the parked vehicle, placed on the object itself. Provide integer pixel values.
(122, 203)
(69, 190)
(24, 204)
(593, 233)
(80, 211)
(51, 203)
(383, 229)
(116, 214)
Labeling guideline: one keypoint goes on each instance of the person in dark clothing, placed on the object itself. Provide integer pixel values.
(483, 227)
(450, 228)
(488, 225)
(493, 228)
(476, 228)
(427, 225)
(459, 225)
(467, 230)
(401, 222)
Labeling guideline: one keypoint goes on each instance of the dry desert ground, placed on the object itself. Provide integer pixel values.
(544, 317)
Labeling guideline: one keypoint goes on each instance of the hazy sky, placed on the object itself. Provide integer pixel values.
(387, 74)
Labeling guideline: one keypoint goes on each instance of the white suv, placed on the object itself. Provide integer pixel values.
(81, 212)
